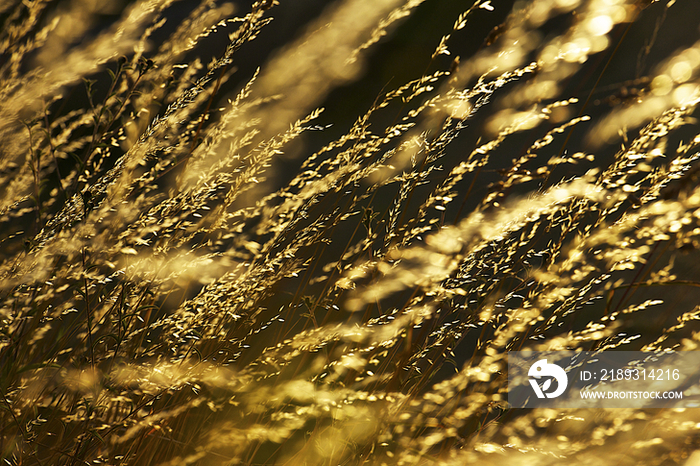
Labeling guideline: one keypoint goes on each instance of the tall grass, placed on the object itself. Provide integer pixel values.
(194, 275)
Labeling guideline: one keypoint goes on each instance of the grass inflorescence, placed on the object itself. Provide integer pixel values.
(205, 262)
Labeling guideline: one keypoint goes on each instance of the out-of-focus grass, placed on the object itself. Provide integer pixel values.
(191, 277)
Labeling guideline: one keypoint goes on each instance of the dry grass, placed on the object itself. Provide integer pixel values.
(172, 293)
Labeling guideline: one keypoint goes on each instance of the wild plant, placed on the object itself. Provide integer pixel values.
(200, 267)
